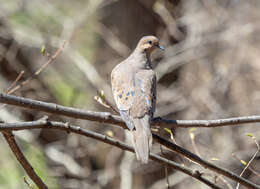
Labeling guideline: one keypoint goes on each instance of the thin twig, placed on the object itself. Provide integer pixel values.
(14, 88)
(197, 152)
(167, 177)
(250, 161)
(192, 137)
(101, 99)
(51, 59)
(14, 83)
(27, 183)
(242, 161)
(165, 166)
(78, 130)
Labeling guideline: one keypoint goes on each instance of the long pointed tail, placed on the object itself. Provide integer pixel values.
(142, 138)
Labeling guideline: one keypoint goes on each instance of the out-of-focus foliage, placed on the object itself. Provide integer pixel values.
(210, 70)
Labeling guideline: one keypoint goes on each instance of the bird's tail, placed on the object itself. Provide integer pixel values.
(142, 138)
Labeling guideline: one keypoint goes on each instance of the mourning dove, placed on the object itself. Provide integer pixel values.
(134, 89)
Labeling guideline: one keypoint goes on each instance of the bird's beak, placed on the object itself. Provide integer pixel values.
(160, 47)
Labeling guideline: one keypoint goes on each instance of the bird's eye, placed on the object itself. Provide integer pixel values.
(150, 42)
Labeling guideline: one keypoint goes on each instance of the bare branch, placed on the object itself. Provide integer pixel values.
(9, 137)
(113, 119)
(235, 121)
(197, 152)
(112, 40)
(44, 124)
(251, 160)
(15, 81)
(62, 110)
(101, 99)
(97, 136)
(51, 59)
(204, 163)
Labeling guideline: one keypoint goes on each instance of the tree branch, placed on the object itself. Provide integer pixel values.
(106, 139)
(44, 124)
(204, 163)
(61, 110)
(9, 137)
(50, 60)
(116, 120)
(234, 121)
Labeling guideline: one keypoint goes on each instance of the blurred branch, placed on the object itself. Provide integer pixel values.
(9, 137)
(197, 152)
(112, 40)
(87, 68)
(45, 124)
(34, 38)
(126, 165)
(168, 19)
(175, 178)
(113, 119)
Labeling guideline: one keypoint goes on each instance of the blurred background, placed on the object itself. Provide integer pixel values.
(210, 70)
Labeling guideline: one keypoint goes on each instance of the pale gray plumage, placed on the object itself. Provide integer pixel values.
(134, 89)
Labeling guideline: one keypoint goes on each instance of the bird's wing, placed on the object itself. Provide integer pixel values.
(145, 94)
(134, 94)
(124, 93)
(123, 90)
(142, 111)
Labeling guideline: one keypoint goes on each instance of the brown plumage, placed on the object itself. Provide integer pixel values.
(134, 89)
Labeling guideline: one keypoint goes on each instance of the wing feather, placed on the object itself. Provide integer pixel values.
(135, 95)
(145, 98)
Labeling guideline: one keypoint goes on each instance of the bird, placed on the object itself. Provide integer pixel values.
(133, 84)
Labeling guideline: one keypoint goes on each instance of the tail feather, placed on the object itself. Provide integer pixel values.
(142, 138)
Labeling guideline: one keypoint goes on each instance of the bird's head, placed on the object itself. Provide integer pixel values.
(148, 44)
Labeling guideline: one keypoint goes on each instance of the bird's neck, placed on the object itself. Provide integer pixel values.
(148, 61)
(143, 59)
